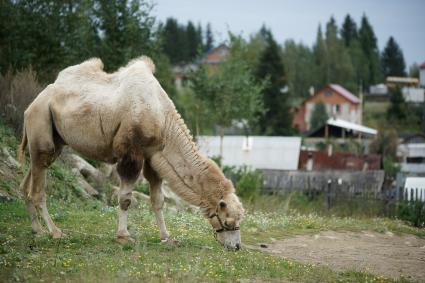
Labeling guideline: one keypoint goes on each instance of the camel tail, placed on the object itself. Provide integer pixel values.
(22, 146)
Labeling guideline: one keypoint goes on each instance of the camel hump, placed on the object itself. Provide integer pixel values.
(145, 59)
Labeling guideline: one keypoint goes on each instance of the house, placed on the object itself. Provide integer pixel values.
(377, 93)
(211, 60)
(339, 103)
(422, 75)
(257, 152)
(411, 154)
(409, 88)
(216, 55)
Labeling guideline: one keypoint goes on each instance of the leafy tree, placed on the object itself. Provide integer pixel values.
(369, 45)
(393, 60)
(277, 119)
(319, 115)
(299, 64)
(398, 107)
(127, 30)
(414, 71)
(349, 30)
(230, 93)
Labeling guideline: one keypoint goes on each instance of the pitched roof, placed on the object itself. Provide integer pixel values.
(339, 89)
(422, 66)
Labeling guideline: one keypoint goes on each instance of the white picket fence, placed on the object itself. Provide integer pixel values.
(414, 188)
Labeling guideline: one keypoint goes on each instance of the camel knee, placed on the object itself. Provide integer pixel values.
(125, 201)
(157, 199)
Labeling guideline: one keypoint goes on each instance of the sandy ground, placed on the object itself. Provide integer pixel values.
(380, 254)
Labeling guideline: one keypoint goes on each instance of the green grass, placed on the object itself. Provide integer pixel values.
(89, 253)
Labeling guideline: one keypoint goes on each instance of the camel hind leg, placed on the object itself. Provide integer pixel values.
(25, 186)
(157, 199)
(44, 147)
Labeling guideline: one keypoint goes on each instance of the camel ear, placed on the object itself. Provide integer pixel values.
(222, 204)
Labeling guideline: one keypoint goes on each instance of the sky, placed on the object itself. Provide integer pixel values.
(299, 19)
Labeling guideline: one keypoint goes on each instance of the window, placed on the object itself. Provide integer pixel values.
(328, 93)
(336, 109)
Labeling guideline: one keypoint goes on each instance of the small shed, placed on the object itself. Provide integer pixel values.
(257, 152)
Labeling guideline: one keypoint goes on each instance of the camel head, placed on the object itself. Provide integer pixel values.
(226, 221)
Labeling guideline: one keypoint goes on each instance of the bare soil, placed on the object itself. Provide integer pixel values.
(377, 253)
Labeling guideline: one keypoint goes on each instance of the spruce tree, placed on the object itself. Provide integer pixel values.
(369, 46)
(348, 30)
(209, 38)
(392, 59)
(192, 42)
(277, 119)
(398, 107)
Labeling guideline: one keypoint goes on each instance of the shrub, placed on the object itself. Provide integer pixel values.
(248, 182)
(17, 91)
(413, 212)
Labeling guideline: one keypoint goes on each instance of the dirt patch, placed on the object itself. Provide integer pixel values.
(377, 253)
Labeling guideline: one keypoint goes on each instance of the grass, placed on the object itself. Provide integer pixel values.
(89, 253)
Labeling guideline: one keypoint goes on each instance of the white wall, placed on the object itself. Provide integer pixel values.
(258, 152)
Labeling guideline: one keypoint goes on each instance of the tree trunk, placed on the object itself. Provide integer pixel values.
(221, 145)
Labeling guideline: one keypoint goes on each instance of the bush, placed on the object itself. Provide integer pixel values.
(413, 212)
(248, 182)
(17, 91)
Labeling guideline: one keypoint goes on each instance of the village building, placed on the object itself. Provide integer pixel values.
(211, 60)
(256, 152)
(339, 103)
(411, 154)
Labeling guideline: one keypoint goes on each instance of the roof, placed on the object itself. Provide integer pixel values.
(402, 80)
(216, 55)
(339, 89)
(422, 66)
(351, 126)
(258, 152)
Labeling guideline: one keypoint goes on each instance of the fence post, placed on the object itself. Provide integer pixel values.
(329, 194)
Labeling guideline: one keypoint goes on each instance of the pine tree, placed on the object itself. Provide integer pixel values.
(320, 57)
(392, 59)
(348, 30)
(192, 42)
(209, 38)
(369, 46)
(277, 120)
(398, 107)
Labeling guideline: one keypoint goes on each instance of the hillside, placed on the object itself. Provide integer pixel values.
(89, 252)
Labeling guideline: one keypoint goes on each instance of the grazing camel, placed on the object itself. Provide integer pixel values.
(125, 118)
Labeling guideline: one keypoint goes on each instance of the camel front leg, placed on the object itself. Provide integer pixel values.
(157, 199)
(129, 170)
(124, 199)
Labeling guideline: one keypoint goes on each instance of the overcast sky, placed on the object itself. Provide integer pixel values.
(299, 19)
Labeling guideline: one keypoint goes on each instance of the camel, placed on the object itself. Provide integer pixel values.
(125, 118)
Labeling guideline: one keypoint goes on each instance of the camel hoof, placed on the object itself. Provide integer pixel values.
(170, 242)
(58, 234)
(125, 240)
